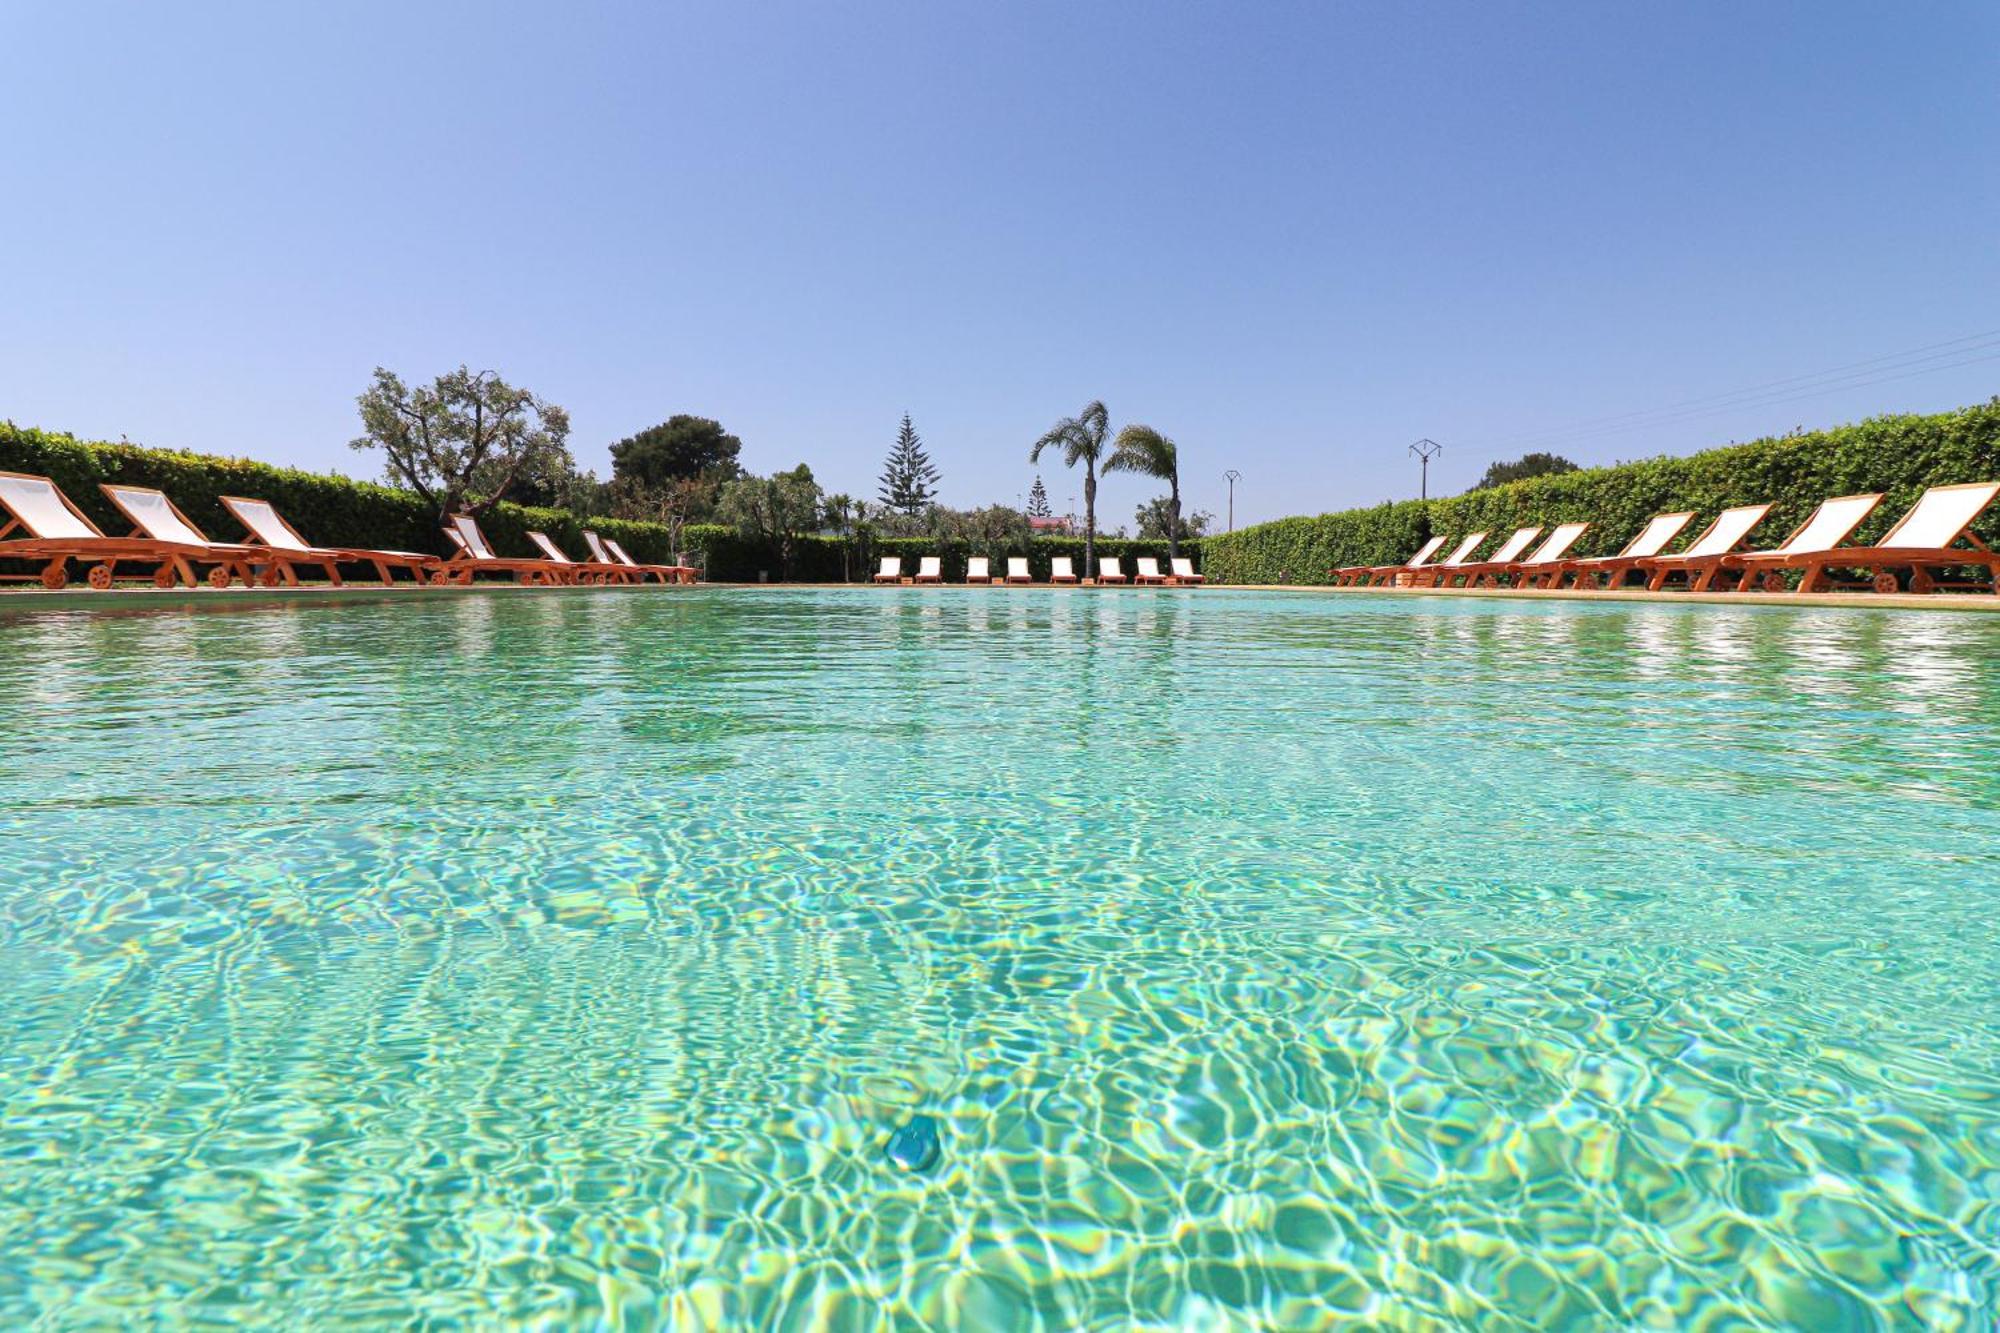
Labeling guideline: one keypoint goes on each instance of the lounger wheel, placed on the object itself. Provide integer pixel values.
(219, 577)
(1920, 581)
(164, 577)
(56, 577)
(1884, 581)
(1772, 581)
(100, 577)
(271, 577)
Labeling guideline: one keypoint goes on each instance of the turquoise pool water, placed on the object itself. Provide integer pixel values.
(1262, 962)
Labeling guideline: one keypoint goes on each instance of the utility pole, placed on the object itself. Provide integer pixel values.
(1426, 450)
(1234, 477)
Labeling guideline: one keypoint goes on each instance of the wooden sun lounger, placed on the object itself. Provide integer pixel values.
(1543, 568)
(1109, 570)
(1826, 529)
(1923, 542)
(1062, 570)
(581, 571)
(474, 554)
(1017, 570)
(1149, 571)
(1485, 571)
(157, 517)
(59, 532)
(1613, 569)
(1703, 557)
(664, 573)
(1184, 575)
(1369, 575)
(930, 569)
(1427, 576)
(978, 569)
(267, 528)
(891, 570)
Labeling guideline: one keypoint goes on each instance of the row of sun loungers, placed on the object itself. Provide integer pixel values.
(272, 552)
(1930, 547)
(1062, 569)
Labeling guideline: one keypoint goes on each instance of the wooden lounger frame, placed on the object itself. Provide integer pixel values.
(281, 566)
(598, 572)
(1485, 573)
(1370, 576)
(1929, 567)
(1615, 569)
(1699, 570)
(463, 564)
(682, 574)
(172, 562)
(1703, 571)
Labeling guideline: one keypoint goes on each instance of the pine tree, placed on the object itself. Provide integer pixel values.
(1038, 499)
(909, 482)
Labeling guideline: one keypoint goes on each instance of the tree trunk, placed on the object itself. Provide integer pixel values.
(1173, 517)
(1089, 515)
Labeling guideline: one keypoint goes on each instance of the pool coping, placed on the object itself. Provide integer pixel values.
(1852, 601)
(41, 599)
(206, 598)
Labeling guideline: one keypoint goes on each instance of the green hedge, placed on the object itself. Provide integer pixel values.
(329, 510)
(1899, 455)
(336, 511)
(730, 557)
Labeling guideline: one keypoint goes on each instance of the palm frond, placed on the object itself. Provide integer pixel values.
(1144, 450)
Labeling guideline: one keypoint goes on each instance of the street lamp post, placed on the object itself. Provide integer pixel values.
(1426, 450)
(1234, 477)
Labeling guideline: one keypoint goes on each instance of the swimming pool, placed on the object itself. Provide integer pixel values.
(1259, 960)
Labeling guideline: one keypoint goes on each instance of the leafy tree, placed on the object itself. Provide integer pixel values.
(680, 447)
(1081, 439)
(1143, 450)
(842, 512)
(1528, 465)
(778, 509)
(466, 441)
(1038, 499)
(1155, 521)
(909, 482)
(673, 504)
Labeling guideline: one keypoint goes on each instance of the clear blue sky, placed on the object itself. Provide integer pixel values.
(1295, 237)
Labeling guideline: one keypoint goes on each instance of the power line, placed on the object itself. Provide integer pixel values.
(1859, 374)
(1983, 339)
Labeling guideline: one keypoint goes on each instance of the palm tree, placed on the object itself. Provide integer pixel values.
(1144, 450)
(1080, 437)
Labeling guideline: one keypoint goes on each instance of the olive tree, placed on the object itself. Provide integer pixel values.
(465, 441)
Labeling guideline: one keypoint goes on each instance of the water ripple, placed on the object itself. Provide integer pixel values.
(1263, 962)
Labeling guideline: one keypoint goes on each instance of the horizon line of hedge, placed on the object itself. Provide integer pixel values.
(731, 557)
(1899, 455)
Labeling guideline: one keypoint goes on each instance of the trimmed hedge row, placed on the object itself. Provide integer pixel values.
(730, 557)
(1898, 455)
(330, 510)
(337, 511)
